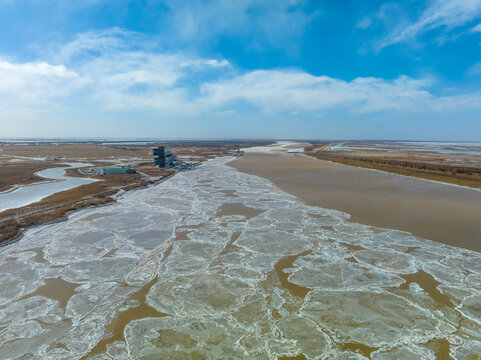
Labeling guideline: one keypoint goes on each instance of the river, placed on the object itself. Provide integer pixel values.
(217, 264)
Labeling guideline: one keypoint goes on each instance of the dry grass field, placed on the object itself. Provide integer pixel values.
(459, 169)
(77, 151)
(22, 173)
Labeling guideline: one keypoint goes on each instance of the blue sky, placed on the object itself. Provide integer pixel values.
(241, 69)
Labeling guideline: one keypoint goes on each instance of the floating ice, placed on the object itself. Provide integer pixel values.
(405, 353)
(242, 270)
(370, 318)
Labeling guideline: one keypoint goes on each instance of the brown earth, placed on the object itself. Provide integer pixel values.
(77, 151)
(98, 152)
(22, 173)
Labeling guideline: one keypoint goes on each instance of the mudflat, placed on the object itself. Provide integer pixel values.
(434, 211)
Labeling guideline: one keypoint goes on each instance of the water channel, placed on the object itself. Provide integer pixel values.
(29, 194)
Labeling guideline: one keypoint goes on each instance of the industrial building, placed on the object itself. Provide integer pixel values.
(164, 157)
(121, 170)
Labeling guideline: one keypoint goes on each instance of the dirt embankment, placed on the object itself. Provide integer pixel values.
(417, 165)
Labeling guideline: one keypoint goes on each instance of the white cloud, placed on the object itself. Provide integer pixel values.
(364, 23)
(260, 22)
(107, 78)
(34, 83)
(217, 63)
(477, 28)
(40, 68)
(197, 23)
(126, 70)
(277, 91)
(475, 69)
(225, 112)
(446, 14)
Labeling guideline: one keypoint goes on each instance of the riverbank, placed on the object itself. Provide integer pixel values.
(430, 210)
(457, 169)
(55, 180)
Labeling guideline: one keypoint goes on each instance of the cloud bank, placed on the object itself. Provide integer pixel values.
(121, 76)
(444, 16)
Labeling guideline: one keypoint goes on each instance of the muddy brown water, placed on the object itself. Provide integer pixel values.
(55, 289)
(434, 211)
(227, 209)
(115, 330)
(437, 212)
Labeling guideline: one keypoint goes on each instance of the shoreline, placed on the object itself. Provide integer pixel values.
(406, 176)
(420, 168)
(40, 192)
(431, 210)
(17, 175)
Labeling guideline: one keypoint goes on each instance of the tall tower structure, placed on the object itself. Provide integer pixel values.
(163, 157)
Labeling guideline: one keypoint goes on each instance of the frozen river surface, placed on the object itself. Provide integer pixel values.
(217, 264)
(29, 194)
